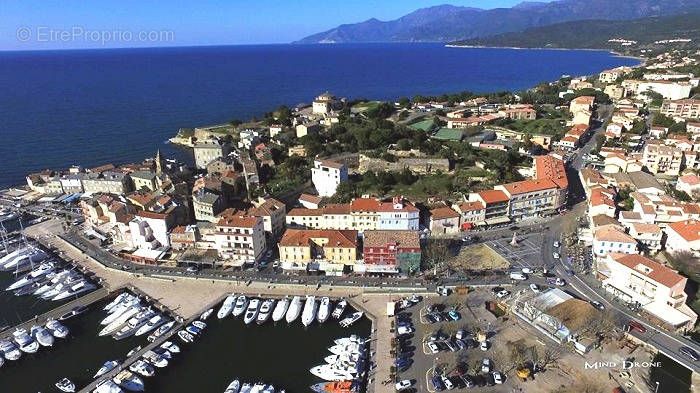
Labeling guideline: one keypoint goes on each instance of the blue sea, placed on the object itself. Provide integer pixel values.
(88, 107)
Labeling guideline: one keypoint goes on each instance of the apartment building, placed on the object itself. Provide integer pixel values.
(390, 251)
(208, 150)
(327, 175)
(531, 198)
(610, 238)
(107, 182)
(325, 250)
(496, 205)
(681, 109)
(662, 159)
(240, 239)
(683, 236)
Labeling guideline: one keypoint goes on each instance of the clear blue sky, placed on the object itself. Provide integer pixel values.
(63, 24)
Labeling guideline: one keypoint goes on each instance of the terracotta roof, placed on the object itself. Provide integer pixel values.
(612, 234)
(389, 207)
(336, 208)
(305, 212)
(302, 237)
(238, 221)
(364, 205)
(640, 227)
(548, 167)
(630, 215)
(470, 206)
(151, 215)
(493, 196)
(688, 230)
(442, 213)
(599, 198)
(179, 229)
(525, 186)
(690, 179)
(569, 138)
(649, 268)
(406, 239)
(584, 100)
(602, 220)
(310, 198)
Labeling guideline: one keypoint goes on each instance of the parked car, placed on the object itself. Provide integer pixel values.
(636, 326)
(486, 365)
(430, 318)
(461, 344)
(556, 244)
(437, 383)
(192, 269)
(535, 288)
(689, 352)
(518, 276)
(598, 305)
(555, 255)
(560, 282)
(495, 290)
(448, 383)
(454, 315)
(468, 382)
(403, 385)
(502, 294)
(460, 334)
(451, 346)
(484, 345)
(497, 377)
(433, 348)
(527, 270)
(402, 330)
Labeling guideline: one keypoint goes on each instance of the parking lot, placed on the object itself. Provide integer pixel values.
(451, 337)
(527, 253)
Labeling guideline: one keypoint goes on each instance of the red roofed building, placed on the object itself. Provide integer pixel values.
(658, 290)
(496, 204)
(443, 219)
(389, 250)
(318, 249)
(531, 198)
(548, 167)
(239, 238)
(683, 236)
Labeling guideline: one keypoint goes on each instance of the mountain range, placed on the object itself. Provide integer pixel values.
(446, 23)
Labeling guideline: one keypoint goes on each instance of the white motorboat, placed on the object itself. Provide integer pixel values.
(154, 322)
(205, 315)
(163, 352)
(134, 323)
(57, 329)
(265, 311)
(268, 389)
(65, 385)
(199, 325)
(55, 280)
(106, 367)
(324, 309)
(75, 290)
(9, 350)
(294, 309)
(346, 357)
(142, 367)
(330, 372)
(340, 308)
(129, 381)
(252, 311)
(121, 320)
(354, 317)
(32, 276)
(25, 342)
(309, 313)
(226, 307)
(133, 351)
(240, 307)
(107, 386)
(77, 310)
(342, 350)
(155, 359)
(257, 388)
(120, 309)
(194, 330)
(170, 346)
(280, 309)
(233, 387)
(245, 388)
(161, 331)
(42, 335)
(185, 336)
(122, 297)
(353, 339)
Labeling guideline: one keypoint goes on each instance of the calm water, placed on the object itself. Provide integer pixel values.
(278, 354)
(89, 107)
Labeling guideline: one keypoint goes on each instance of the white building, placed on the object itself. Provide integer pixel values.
(690, 184)
(683, 236)
(658, 290)
(609, 239)
(150, 230)
(240, 239)
(327, 175)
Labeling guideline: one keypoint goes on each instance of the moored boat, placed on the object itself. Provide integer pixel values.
(42, 335)
(309, 313)
(129, 381)
(252, 311)
(240, 307)
(226, 306)
(65, 385)
(206, 314)
(324, 309)
(280, 309)
(294, 309)
(233, 387)
(265, 311)
(339, 309)
(161, 331)
(106, 367)
(185, 336)
(142, 367)
(354, 317)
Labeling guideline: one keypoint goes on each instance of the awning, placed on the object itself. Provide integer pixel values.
(667, 313)
(497, 220)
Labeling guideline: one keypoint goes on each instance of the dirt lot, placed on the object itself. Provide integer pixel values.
(478, 257)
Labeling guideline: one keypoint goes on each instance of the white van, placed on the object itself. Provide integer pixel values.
(518, 276)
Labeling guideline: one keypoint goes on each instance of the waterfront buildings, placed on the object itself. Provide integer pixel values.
(107, 182)
(391, 251)
(208, 150)
(239, 238)
(207, 205)
(327, 250)
(144, 180)
(273, 213)
(326, 103)
(327, 175)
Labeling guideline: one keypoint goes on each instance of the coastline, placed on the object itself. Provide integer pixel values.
(617, 54)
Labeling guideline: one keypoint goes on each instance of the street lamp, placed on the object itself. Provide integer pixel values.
(657, 387)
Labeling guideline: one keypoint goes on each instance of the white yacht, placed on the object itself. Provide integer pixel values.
(340, 349)
(265, 311)
(309, 313)
(142, 367)
(134, 323)
(161, 331)
(330, 372)
(252, 311)
(34, 275)
(350, 358)
(353, 339)
(122, 297)
(57, 328)
(106, 367)
(129, 381)
(257, 388)
(74, 290)
(201, 325)
(120, 309)
(25, 341)
(34, 255)
(233, 387)
(9, 350)
(280, 309)
(108, 386)
(121, 320)
(65, 385)
(155, 359)
(339, 309)
(205, 315)
(245, 388)
(55, 280)
(226, 307)
(268, 389)
(185, 336)
(170, 346)
(324, 309)
(240, 307)
(294, 309)
(152, 323)
(42, 335)
(354, 317)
